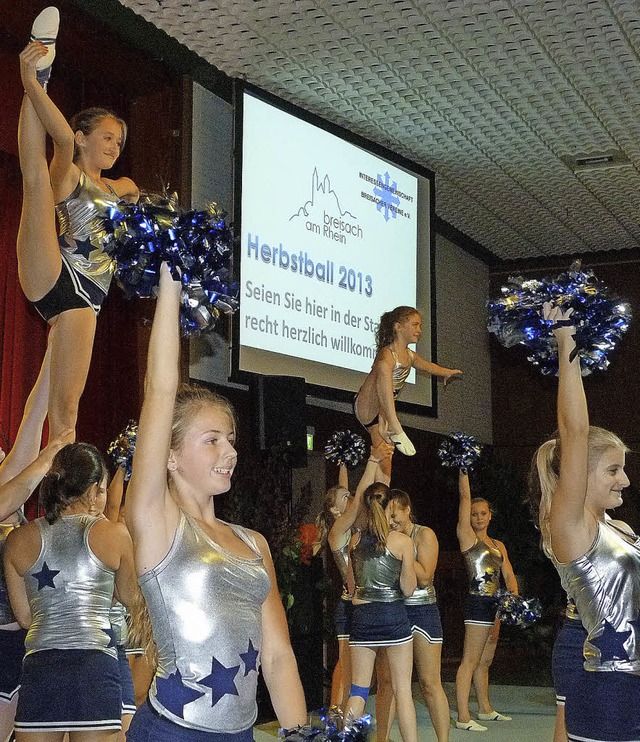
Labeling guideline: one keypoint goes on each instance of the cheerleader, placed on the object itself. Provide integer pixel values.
(581, 475)
(61, 571)
(65, 278)
(381, 572)
(374, 404)
(210, 587)
(485, 559)
(335, 524)
(422, 611)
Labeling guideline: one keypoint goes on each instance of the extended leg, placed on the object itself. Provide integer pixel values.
(475, 638)
(400, 666)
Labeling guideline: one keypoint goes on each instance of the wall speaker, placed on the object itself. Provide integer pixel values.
(280, 408)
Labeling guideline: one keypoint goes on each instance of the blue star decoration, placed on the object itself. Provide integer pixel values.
(45, 576)
(487, 577)
(112, 637)
(611, 643)
(220, 681)
(174, 695)
(250, 659)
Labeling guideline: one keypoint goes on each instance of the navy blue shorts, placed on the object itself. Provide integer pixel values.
(126, 683)
(568, 658)
(342, 619)
(11, 656)
(425, 620)
(480, 610)
(148, 726)
(69, 690)
(603, 707)
(379, 625)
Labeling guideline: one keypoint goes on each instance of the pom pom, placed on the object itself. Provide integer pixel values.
(459, 451)
(601, 318)
(345, 447)
(326, 725)
(122, 448)
(514, 610)
(197, 245)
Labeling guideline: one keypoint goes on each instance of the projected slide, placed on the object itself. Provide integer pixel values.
(329, 241)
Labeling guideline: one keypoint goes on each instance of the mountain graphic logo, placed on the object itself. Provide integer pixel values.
(323, 198)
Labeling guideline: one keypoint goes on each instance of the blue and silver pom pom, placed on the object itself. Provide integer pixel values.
(600, 316)
(327, 725)
(197, 245)
(346, 448)
(514, 610)
(122, 448)
(459, 451)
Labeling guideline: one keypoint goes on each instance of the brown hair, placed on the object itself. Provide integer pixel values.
(375, 499)
(325, 517)
(74, 469)
(402, 499)
(190, 399)
(545, 471)
(386, 332)
(87, 120)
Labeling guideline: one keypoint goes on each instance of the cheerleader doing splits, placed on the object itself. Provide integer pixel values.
(66, 279)
(381, 572)
(210, 587)
(485, 559)
(422, 611)
(374, 404)
(61, 571)
(581, 475)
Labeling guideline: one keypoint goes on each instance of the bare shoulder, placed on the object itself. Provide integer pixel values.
(125, 188)
(385, 356)
(26, 532)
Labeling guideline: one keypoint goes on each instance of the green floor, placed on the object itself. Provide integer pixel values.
(532, 709)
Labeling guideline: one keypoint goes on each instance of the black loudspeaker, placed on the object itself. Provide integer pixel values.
(280, 405)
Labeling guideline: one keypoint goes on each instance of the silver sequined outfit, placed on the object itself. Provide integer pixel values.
(400, 373)
(604, 584)
(483, 564)
(69, 590)
(421, 595)
(205, 606)
(376, 574)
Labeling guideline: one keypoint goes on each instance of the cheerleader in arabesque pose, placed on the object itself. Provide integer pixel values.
(423, 613)
(336, 523)
(66, 278)
(374, 404)
(61, 572)
(485, 560)
(381, 572)
(580, 476)
(210, 586)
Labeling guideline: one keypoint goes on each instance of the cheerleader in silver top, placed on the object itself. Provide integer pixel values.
(485, 559)
(72, 273)
(374, 404)
(210, 586)
(423, 613)
(60, 572)
(381, 573)
(581, 475)
(335, 524)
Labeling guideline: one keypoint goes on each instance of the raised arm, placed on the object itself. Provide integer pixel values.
(464, 531)
(447, 374)
(150, 512)
(344, 523)
(115, 492)
(279, 666)
(427, 560)
(572, 528)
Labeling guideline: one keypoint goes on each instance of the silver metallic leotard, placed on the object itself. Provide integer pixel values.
(205, 606)
(483, 565)
(604, 583)
(69, 590)
(421, 595)
(376, 575)
(81, 217)
(6, 614)
(400, 373)
(341, 559)
(119, 626)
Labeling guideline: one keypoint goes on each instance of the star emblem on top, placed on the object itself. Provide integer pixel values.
(250, 659)
(221, 681)
(46, 576)
(487, 577)
(174, 695)
(611, 643)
